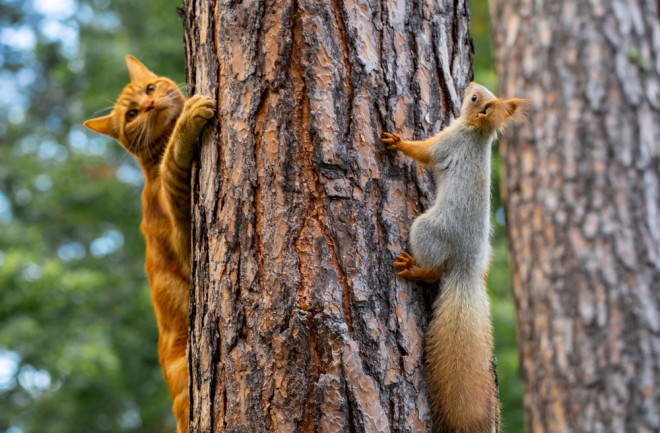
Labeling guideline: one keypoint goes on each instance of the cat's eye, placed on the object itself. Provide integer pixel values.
(150, 89)
(131, 114)
(474, 98)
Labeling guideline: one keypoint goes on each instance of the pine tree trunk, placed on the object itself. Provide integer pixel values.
(297, 320)
(582, 190)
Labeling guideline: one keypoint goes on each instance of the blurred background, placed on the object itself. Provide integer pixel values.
(77, 332)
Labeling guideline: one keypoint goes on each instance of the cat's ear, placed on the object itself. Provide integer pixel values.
(137, 70)
(104, 125)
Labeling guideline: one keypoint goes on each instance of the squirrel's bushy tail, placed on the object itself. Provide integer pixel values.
(459, 346)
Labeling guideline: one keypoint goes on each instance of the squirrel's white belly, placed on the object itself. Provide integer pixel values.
(438, 239)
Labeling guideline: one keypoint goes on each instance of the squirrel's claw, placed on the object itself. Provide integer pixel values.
(404, 261)
(390, 139)
(405, 264)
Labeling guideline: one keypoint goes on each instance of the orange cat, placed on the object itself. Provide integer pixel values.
(155, 123)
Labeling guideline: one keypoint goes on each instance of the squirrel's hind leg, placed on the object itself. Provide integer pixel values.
(407, 268)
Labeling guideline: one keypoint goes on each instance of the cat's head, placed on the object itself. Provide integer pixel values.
(144, 114)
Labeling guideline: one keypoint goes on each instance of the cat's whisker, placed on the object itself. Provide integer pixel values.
(147, 140)
(137, 138)
(144, 139)
(103, 110)
(153, 155)
(171, 95)
(124, 157)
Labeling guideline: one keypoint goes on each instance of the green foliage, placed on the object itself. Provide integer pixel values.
(78, 336)
(499, 280)
(480, 30)
(506, 338)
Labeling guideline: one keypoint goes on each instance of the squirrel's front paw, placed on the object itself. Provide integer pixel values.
(392, 141)
(404, 262)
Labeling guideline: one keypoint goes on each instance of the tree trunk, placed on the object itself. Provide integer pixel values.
(582, 190)
(297, 320)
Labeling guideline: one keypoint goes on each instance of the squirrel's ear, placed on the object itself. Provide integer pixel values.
(104, 125)
(517, 108)
(137, 70)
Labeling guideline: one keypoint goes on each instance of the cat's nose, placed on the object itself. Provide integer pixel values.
(149, 105)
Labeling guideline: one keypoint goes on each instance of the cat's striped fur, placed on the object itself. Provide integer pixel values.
(155, 123)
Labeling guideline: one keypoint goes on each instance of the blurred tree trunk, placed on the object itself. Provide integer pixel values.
(297, 320)
(582, 191)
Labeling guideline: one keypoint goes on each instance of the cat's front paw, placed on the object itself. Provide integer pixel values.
(198, 109)
(196, 112)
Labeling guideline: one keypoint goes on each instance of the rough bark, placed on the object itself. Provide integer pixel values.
(297, 320)
(582, 190)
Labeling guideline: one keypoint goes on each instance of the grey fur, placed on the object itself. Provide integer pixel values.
(453, 235)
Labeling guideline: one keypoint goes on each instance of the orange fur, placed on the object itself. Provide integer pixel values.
(160, 128)
(459, 347)
(496, 113)
(420, 151)
(407, 268)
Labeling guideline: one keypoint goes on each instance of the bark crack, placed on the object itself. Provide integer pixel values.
(348, 83)
(412, 24)
(350, 400)
(315, 208)
(308, 422)
(448, 105)
(260, 123)
(454, 33)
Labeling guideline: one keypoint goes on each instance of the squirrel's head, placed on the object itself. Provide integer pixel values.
(482, 110)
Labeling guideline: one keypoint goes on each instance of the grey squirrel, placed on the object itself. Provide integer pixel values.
(451, 241)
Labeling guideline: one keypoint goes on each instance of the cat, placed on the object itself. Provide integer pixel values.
(153, 121)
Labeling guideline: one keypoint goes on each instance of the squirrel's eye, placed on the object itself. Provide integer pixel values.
(474, 98)
(130, 115)
(150, 89)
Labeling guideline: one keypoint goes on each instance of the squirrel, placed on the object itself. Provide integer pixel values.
(451, 241)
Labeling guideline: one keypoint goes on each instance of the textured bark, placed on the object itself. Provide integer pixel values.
(582, 188)
(297, 320)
